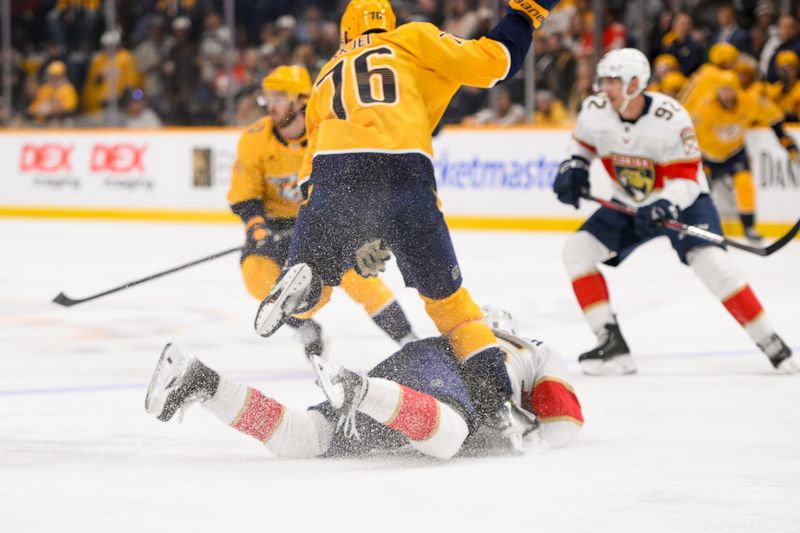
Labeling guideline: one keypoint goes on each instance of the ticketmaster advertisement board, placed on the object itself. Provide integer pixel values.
(484, 176)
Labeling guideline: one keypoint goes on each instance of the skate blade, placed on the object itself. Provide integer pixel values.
(789, 366)
(165, 372)
(271, 313)
(616, 366)
(334, 393)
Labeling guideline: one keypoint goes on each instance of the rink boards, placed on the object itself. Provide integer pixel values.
(487, 178)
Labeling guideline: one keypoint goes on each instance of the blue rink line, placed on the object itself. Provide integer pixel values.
(295, 376)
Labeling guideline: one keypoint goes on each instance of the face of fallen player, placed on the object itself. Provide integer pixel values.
(613, 89)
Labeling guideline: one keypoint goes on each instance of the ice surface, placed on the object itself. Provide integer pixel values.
(705, 438)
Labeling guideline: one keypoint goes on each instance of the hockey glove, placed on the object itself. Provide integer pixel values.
(572, 181)
(648, 217)
(536, 11)
(257, 231)
(371, 258)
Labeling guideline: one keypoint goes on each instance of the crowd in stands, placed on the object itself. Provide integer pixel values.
(165, 61)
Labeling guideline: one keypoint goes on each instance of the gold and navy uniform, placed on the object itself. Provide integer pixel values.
(788, 99)
(264, 176)
(387, 92)
(701, 85)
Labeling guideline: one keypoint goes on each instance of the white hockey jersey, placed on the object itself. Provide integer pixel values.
(540, 381)
(655, 157)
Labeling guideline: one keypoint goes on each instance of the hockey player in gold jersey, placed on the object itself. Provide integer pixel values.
(701, 85)
(265, 194)
(721, 120)
(786, 91)
(369, 179)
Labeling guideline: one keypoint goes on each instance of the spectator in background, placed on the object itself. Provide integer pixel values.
(765, 25)
(136, 113)
(789, 40)
(56, 99)
(247, 110)
(111, 72)
(507, 114)
(682, 45)
(150, 56)
(555, 66)
(729, 30)
(459, 20)
(584, 81)
(74, 23)
(53, 51)
(182, 72)
(550, 111)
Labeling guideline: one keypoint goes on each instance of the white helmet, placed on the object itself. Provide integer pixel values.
(498, 318)
(625, 64)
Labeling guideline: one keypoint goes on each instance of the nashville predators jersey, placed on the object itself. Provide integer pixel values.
(701, 85)
(385, 92)
(721, 131)
(266, 170)
(651, 158)
(787, 100)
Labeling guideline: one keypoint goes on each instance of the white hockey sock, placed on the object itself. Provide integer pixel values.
(433, 428)
(285, 432)
(716, 270)
(581, 255)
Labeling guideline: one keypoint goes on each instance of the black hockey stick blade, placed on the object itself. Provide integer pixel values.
(772, 248)
(66, 301)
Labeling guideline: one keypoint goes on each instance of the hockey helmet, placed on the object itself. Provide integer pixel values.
(723, 55)
(284, 83)
(498, 318)
(673, 83)
(786, 58)
(729, 79)
(746, 65)
(666, 62)
(625, 64)
(362, 16)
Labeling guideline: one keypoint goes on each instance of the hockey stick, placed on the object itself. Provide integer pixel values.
(706, 235)
(66, 301)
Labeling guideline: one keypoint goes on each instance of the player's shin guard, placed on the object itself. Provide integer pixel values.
(285, 432)
(581, 255)
(259, 274)
(716, 270)
(461, 320)
(378, 301)
(432, 427)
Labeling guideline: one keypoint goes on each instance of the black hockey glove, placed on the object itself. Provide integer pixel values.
(572, 181)
(257, 231)
(371, 258)
(646, 221)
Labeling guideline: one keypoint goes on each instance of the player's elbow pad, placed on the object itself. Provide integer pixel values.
(514, 31)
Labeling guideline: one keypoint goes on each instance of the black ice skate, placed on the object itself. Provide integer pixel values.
(517, 425)
(610, 357)
(344, 389)
(178, 381)
(287, 297)
(780, 355)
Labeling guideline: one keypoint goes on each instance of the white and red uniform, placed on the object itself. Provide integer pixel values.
(657, 156)
(654, 157)
(432, 427)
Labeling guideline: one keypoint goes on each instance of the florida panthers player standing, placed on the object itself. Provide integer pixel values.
(647, 144)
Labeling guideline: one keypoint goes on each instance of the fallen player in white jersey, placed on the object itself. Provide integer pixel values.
(416, 397)
(647, 144)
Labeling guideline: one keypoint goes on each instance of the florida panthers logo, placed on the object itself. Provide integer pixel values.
(636, 175)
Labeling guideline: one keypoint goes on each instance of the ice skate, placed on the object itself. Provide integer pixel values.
(343, 388)
(780, 355)
(752, 235)
(517, 425)
(178, 381)
(610, 357)
(287, 297)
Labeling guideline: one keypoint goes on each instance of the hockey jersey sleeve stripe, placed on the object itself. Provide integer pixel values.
(677, 170)
(585, 145)
(417, 415)
(590, 290)
(260, 416)
(743, 305)
(554, 400)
